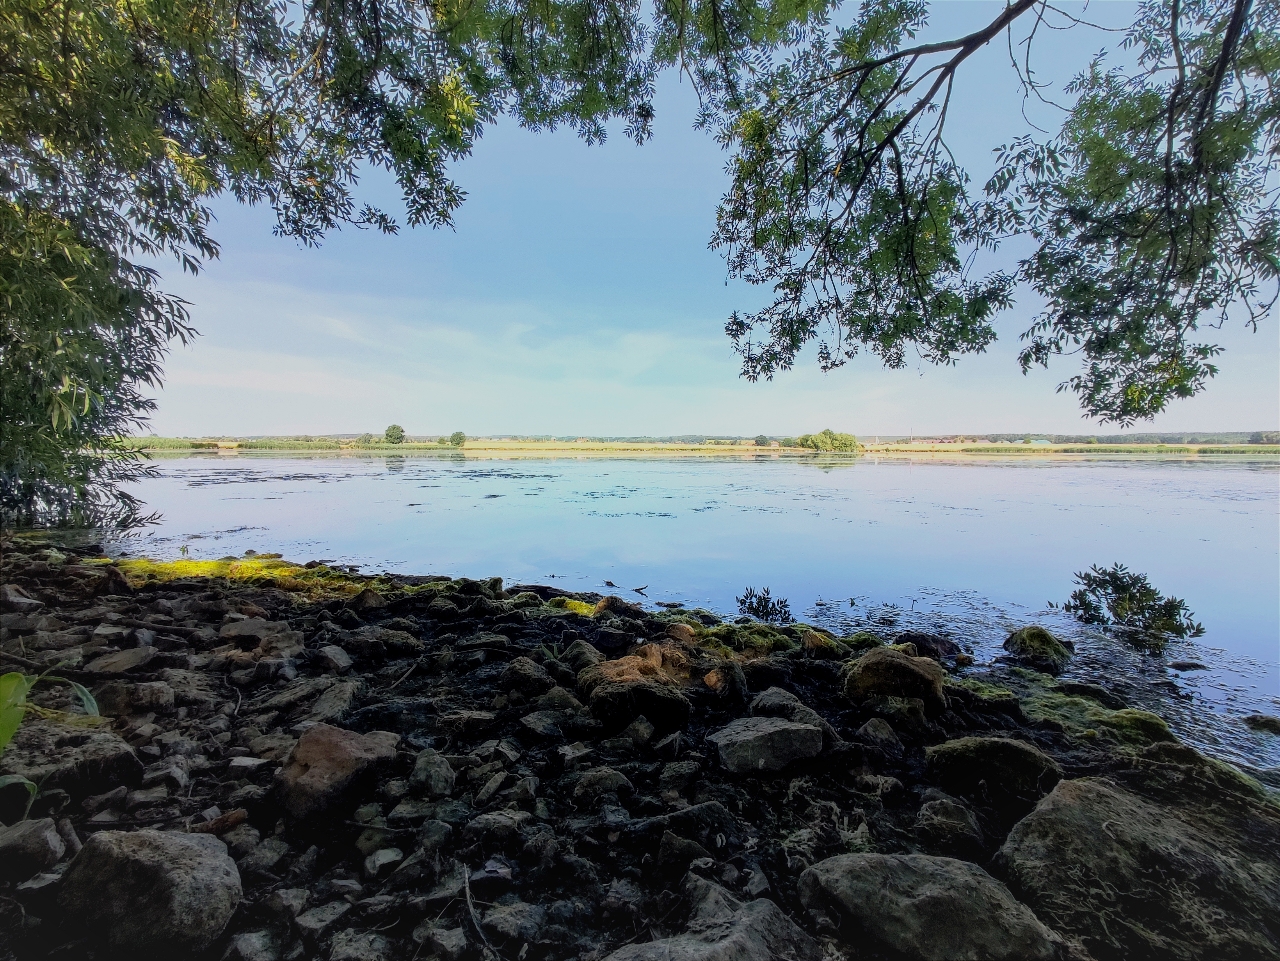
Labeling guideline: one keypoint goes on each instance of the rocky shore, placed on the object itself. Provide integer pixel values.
(298, 762)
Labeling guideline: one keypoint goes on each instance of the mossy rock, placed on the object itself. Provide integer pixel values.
(756, 639)
(1084, 717)
(1037, 648)
(562, 603)
(862, 641)
(1007, 774)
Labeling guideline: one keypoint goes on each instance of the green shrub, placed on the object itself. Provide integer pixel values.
(457, 438)
(394, 434)
(828, 440)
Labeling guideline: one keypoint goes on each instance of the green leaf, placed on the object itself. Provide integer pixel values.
(13, 700)
(7, 779)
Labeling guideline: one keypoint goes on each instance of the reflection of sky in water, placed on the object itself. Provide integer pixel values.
(972, 548)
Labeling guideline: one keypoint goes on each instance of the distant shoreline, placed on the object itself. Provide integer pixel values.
(485, 446)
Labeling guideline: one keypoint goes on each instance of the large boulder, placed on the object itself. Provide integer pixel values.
(325, 765)
(646, 683)
(1036, 648)
(753, 744)
(722, 928)
(1136, 879)
(151, 893)
(1001, 773)
(926, 908)
(884, 671)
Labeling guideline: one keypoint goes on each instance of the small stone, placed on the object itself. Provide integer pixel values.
(432, 774)
(491, 786)
(640, 731)
(450, 944)
(14, 598)
(949, 828)
(151, 892)
(121, 662)
(333, 658)
(264, 858)
(253, 946)
(753, 744)
(359, 946)
(315, 922)
(91, 762)
(382, 862)
(367, 600)
(543, 723)
(675, 853)
(601, 780)
(288, 901)
(525, 676)
(514, 922)
(239, 767)
(29, 847)
(878, 733)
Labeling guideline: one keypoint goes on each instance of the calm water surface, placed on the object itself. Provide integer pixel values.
(969, 548)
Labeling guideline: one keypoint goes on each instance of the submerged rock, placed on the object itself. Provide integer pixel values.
(926, 908)
(1037, 649)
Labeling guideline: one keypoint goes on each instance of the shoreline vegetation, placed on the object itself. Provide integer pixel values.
(296, 760)
(1215, 444)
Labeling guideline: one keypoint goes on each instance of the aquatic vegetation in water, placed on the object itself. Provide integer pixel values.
(763, 607)
(1126, 602)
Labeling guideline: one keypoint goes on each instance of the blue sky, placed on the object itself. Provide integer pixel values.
(577, 296)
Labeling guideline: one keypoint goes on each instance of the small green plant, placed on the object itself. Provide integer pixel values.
(1126, 602)
(394, 434)
(763, 607)
(457, 438)
(14, 689)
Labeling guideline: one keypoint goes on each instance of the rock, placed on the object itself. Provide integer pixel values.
(776, 702)
(1263, 722)
(497, 828)
(450, 944)
(367, 600)
(151, 892)
(600, 780)
(1036, 648)
(682, 633)
(616, 605)
(947, 827)
(121, 662)
(432, 774)
(325, 765)
(333, 658)
(525, 676)
(335, 701)
(892, 673)
(676, 853)
(1010, 776)
(382, 862)
(253, 946)
(514, 922)
(645, 683)
(359, 946)
(722, 928)
(933, 646)
(879, 733)
(82, 762)
(580, 655)
(315, 922)
(14, 598)
(1140, 880)
(752, 744)
(926, 908)
(29, 847)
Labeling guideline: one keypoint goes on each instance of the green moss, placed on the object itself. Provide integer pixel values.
(754, 639)
(989, 693)
(1036, 647)
(862, 640)
(572, 606)
(1079, 716)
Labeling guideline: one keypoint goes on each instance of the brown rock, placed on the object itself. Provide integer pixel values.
(884, 671)
(325, 764)
(122, 662)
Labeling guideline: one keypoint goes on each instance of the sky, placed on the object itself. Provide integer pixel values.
(576, 294)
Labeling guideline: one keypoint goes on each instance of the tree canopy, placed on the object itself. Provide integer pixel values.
(1151, 210)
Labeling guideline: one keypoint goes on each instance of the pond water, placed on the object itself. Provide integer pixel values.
(970, 548)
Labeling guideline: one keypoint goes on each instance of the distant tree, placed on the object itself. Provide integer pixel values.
(1265, 437)
(789, 442)
(828, 440)
(762, 441)
(457, 438)
(365, 440)
(394, 434)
